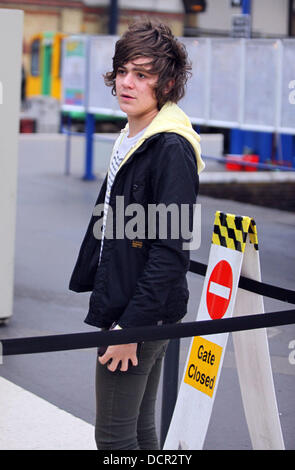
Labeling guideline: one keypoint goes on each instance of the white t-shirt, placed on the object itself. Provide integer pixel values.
(125, 145)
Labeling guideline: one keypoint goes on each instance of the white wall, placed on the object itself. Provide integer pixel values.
(172, 6)
(11, 29)
(268, 16)
(217, 15)
(175, 6)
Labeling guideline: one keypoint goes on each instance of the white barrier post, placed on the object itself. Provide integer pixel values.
(234, 250)
(254, 366)
(11, 28)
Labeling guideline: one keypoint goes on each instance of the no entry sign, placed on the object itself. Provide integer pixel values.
(219, 290)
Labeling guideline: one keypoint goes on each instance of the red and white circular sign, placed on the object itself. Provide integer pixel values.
(219, 290)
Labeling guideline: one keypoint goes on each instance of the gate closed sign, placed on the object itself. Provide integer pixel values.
(203, 364)
(234, 250)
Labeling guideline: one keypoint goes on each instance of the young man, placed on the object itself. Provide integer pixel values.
(142, 282)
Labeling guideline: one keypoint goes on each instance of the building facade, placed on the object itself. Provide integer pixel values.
(269, 17)
(74, 16)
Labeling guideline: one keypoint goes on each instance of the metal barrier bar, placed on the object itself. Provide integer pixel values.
(96, 137)
(262, 166)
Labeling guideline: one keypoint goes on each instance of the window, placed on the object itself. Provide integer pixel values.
(35, 58)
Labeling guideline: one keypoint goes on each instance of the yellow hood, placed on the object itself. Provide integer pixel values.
(171, 119)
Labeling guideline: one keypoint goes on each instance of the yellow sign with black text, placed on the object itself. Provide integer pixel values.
(202, 367)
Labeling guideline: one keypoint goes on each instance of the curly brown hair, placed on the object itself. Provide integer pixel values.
(169, 60)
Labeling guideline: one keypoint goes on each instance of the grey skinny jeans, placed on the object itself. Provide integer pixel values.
(125, 402)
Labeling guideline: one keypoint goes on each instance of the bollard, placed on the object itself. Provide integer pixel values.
(68, 145)
(90, 122)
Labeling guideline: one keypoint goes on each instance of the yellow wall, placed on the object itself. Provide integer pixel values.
(71, 20)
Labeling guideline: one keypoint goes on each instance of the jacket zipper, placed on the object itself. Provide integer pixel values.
(131, 158)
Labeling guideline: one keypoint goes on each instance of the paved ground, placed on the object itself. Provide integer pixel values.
(53, 210)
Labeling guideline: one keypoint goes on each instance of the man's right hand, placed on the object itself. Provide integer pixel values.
(117, 353)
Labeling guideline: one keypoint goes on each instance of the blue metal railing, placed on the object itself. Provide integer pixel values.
(90, 137)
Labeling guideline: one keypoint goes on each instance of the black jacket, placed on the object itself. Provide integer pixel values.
(143, 281)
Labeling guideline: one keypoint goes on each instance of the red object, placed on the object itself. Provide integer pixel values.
(27, 126)
(219, 290)
(234, 163)
(253, 159)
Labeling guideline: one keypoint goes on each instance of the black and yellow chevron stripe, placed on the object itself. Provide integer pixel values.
(231, 231)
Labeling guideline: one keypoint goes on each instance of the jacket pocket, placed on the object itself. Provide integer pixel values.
(139, 192)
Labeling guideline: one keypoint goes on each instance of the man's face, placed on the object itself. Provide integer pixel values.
(135, 88)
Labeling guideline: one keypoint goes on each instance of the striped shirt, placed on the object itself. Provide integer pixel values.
(119, 153)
